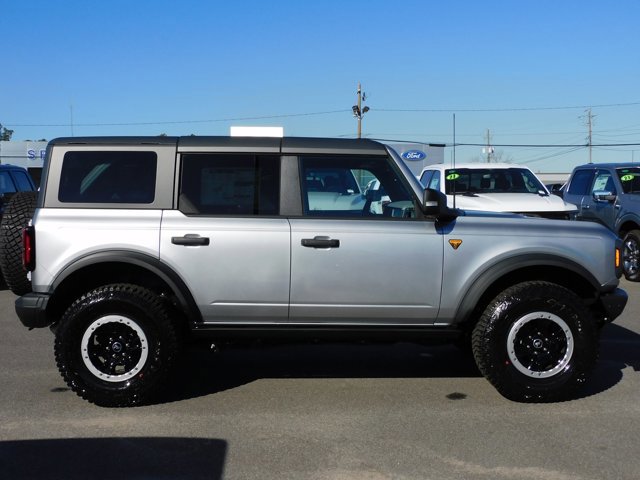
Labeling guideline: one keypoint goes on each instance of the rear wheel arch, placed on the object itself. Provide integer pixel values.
(135, 268)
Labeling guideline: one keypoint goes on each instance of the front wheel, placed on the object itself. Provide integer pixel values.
(631, 256)
(116, 345)
(536, 342)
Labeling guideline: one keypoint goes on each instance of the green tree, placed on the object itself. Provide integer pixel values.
(5, 133)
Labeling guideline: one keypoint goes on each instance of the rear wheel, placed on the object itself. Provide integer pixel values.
(16, 217)
(631, 255)
(116, 345)
(536, 342)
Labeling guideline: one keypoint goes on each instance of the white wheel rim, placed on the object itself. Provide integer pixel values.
(530, 347)
(116, 348)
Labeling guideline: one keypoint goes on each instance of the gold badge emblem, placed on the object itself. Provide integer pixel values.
(455, 243)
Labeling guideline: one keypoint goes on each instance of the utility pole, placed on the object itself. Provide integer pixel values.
(488, 150)
(589, 116)
(358, 111)
(71, 117)
(590, 123)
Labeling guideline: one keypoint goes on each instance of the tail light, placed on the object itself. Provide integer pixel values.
(29, 248)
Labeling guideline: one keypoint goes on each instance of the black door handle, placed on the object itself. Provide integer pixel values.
(190, 240)
(320, 242)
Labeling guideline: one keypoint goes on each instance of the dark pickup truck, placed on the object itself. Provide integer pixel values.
(609, 193)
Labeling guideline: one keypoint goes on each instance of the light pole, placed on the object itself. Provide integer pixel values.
(358, 111)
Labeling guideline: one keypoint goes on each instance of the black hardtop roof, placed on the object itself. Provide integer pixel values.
(283, 145)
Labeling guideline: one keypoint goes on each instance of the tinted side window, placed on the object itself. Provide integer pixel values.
(581, 182)
(6, 184)
(434, 184)
(215, 184)
(23, 181)
(425, 178)
(604, 182)
(108, 177)
(353, 186)
(630, 179)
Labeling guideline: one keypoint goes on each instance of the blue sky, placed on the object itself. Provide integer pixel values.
(525, 70)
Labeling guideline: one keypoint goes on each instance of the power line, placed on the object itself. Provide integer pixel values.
(236, 119)
(546, 145)
(515, 109)
(329, 112)
(553, 155)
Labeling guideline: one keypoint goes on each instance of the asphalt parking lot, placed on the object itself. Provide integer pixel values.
(320, 412)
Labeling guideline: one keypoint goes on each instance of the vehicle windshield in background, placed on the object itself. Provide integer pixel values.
(490, 180)
(630, 179)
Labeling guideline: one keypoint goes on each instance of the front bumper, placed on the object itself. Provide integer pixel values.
(613, 304)
(32, 310)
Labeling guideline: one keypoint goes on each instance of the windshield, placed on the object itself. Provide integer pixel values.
(492, 180)
(630, 179)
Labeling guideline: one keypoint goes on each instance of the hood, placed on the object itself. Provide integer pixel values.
(511, 202)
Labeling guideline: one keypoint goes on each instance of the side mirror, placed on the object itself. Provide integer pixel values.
(434, 204)
(604, 196)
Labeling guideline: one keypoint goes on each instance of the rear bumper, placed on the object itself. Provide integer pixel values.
(613, 304)
(32, 310)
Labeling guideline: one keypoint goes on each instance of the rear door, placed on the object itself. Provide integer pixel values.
(352, 263)
(226, 239)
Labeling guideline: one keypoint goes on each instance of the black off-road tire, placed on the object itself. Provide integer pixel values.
(536, 342)
(631, 256)
(16, 217)
(116, 345)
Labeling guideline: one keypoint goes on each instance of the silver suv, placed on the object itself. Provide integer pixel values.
(139, 244)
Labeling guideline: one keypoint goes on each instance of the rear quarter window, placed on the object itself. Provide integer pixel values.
(108, 177)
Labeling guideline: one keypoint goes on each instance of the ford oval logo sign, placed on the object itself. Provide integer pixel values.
(414, 155)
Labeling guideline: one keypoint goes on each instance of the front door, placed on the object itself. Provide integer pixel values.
(365, 259)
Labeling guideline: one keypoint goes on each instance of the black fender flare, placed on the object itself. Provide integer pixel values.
(144, 261)
(493, 273)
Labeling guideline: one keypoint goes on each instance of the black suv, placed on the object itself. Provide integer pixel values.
(13, 179)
